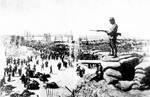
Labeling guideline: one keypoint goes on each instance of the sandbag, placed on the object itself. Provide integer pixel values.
(113, 73)
(128, 68)
(110, 79)
(142, 74)
(139, 77)
(107, 65)
(125, 85)
(133, 61)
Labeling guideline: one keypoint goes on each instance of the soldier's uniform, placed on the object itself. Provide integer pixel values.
(113, 37)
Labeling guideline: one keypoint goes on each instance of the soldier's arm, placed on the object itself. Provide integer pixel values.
(113, 30)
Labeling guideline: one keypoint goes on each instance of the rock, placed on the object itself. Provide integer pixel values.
(142, 73)
(113, 73)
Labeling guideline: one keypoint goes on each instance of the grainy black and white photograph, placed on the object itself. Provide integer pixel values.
(74, 48)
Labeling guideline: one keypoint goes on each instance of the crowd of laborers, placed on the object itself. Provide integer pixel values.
(34, 66)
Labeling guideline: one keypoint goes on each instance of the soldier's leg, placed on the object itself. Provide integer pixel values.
(114, 48)
(110, 53)
(111, 47)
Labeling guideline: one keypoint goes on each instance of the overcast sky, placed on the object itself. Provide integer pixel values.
(78, 16)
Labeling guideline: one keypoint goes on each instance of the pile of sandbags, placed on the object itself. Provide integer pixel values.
(127, 67)
(142, 73)
(111, 72)
(121, 73)
(112, 76)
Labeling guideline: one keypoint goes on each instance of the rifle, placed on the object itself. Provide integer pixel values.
(100, 31)
(110, 34)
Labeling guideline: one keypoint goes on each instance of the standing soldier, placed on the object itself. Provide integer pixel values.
(112, 33)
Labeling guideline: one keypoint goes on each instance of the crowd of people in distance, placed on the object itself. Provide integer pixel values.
(40, 65)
